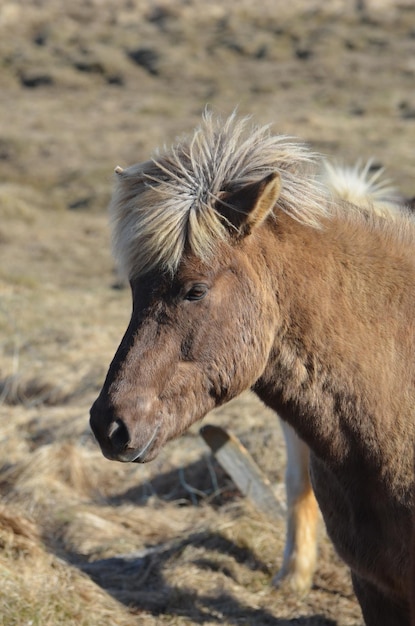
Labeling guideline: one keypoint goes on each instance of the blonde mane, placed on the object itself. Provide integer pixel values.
(172, 202)
(163, 205)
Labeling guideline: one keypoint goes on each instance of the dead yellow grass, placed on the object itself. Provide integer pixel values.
(145, 556)
(38, 588)
(82, 540)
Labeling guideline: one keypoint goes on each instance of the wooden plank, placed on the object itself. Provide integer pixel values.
(242, 469)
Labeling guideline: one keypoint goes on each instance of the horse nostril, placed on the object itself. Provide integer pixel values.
(118, 435)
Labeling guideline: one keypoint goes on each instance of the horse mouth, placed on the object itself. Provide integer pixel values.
(142, 454)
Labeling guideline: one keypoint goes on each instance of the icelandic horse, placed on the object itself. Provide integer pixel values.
(362, 187)
(247, 272)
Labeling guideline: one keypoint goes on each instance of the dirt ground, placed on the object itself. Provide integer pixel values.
(86, 85)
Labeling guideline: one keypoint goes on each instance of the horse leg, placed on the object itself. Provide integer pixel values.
(300, 553)
(377, 608)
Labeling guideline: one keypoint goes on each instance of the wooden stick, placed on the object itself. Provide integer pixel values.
(242, 469)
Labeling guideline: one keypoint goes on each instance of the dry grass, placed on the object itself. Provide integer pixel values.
(39, 588)
(85, 86)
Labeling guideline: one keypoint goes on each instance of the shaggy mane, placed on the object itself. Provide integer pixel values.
(172, 202)
(163, 205)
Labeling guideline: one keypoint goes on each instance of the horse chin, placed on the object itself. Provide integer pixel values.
(148, 456)
(141, 454)
(150, 450)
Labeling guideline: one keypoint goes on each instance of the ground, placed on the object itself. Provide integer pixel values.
(85, 86)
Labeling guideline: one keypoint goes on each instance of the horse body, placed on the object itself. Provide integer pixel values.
(266, 282)
(344, 381)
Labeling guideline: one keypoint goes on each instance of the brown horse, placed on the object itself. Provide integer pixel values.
(246, 273)
(367, 189)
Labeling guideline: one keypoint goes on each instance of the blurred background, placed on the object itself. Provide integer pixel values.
(87, 85)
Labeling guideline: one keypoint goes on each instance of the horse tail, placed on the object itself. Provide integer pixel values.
(364, 187)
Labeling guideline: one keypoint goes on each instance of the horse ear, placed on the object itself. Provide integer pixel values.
(249, 207)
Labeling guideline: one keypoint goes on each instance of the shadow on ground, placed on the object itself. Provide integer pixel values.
(201, 480)
(137, 581)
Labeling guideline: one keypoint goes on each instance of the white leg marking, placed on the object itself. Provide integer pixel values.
(300, 553)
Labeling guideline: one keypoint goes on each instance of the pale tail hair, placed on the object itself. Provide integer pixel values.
(363, 187)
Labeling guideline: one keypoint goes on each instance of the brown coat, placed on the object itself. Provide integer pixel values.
(246, 273)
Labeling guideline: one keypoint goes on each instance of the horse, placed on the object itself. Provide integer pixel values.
(246, 272)
(362, 185)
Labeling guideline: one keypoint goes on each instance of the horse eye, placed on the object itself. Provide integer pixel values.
(197, 292)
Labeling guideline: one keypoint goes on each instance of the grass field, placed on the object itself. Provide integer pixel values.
(85, 86)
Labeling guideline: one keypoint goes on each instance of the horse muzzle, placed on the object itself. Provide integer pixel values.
(116, 439)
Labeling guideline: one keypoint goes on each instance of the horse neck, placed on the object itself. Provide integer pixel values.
(345, 339)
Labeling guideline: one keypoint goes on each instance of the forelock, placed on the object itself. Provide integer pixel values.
(164, 205)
